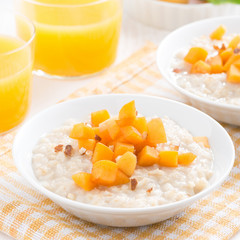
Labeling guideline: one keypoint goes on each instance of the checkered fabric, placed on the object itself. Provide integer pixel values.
(27, 214)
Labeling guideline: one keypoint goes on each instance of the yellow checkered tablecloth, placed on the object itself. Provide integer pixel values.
(26, 214)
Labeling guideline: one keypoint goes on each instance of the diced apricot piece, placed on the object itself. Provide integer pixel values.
(140, 146)
(203, 140)
(127, 114)
(218, 33)
(88, 144)
(140, 123)
(84, 180)
(81, 130)
(148, 156)
(195, 54)
(127, 163)
(156, 132)
(226, 54)
(230, 61)
(168, 158)
(99, 117)
(200, 67)
(104, 172)
(121, 178)
(186, 158)
(233, 75)
(131, 135)
(109, 129)
(215, 64)
(102, 152)
(121, 148)
(234, 42)
(237, 63)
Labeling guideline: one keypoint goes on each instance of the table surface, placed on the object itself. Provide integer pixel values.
(133, 36)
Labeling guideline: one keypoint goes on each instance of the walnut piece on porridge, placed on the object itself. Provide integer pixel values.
(149, 190)
(134, 183)
(68, 150)
(58, 148)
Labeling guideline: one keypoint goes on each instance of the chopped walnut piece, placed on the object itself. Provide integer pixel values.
(177, 70)
(149, 190)
(58, 148)
(97, 138)
(68, 150)
(236, 50)
(82, 150)
(134, 183)
(222, 48)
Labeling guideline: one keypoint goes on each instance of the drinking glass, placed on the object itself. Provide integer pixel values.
(74, 37)
(17, 35)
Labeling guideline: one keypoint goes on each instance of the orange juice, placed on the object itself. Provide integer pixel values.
(74, 37)
(15, 79)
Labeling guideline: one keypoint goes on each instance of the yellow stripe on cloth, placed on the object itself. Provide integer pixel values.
(26, 214)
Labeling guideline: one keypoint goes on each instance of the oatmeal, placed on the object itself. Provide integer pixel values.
(213, 86)
(57, 157)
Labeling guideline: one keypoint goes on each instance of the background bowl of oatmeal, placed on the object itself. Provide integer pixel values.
(169, 16)
(196, 122)
(181, 40)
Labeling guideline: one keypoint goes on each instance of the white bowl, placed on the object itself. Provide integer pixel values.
(181, 38)
(196, 122)
(166, 15)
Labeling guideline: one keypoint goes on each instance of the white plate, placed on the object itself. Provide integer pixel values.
(181, 38)
(195, 121)
(169, 16)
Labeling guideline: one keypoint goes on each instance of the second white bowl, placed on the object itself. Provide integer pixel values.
(181, 38)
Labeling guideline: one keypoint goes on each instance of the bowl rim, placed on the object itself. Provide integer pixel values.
(181, 5)
(112, 210)
(165, 72)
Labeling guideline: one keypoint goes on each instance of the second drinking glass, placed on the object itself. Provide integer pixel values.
(74, 37)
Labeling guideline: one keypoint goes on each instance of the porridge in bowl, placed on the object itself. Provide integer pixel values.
(126, 161)
(210, 67)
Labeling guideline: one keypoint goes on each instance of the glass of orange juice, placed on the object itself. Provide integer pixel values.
(17, 35)
(74, 37)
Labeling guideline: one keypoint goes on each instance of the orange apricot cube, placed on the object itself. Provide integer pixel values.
(234, 42)
(230, 61)
(200, 67)
(104, 172)
(233, 74)
(168, 158)
(121, 148)
(109, 129)
(131, 135)
(226, 54)
(81, 130)
(99, 117)
(127, 163)
(148, 156)
(84, 180)
(88, 144)
(127, 114)
(140, 123)
(202, 140)
(102, 152)
(195, 54)
(218, 33)
(156, 132)
(216, 64)
(186, 158)
(121, 178)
